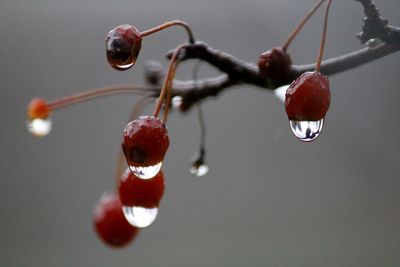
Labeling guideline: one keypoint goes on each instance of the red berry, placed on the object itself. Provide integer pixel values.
(123, 46)
(134, 191)
(38, 109)
(275, 64)
(110, 223)
(145, 141)
(308, 97)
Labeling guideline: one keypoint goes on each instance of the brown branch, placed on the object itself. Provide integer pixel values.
(239, 72)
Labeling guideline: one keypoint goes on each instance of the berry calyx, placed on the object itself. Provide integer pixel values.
(38, 109)
(275, 64)
(110, 223)
(308, 97)
(123, 45)
(145, 141)
(134, 191)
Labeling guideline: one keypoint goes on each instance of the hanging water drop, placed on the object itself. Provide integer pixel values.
(140, 216)
(200, 170)
(147, 172)
(177, 102)
(39, 127)
(306, 131)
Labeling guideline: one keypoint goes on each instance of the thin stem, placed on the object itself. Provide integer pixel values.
(168, 80)
(99, 92)
(137, 109)
(169, 24)
(300, 26)
(169, 92)
(322, 45)
(200, 115)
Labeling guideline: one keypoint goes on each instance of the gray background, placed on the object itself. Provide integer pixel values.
(268, 200)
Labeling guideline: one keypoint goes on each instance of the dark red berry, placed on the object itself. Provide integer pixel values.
(145, 141)
(275, 64)
(110, 223)
(308, 97)
(134, 191)
(123, 46)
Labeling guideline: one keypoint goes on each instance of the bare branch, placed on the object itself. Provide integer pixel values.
(240, 72)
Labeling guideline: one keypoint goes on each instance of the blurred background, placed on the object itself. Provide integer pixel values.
(268, 200)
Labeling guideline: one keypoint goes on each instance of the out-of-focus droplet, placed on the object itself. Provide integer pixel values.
(280, 92)
(374, 42)
(147, 172)
(200, 170)
(306, 131)
(140, 216)
(39, 127)
(177, 102)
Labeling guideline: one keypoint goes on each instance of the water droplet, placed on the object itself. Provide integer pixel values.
(39, 127)
(177, 102)
(147, 172)
(200, 170)
(306, 130)
(374, 42)
(280, 92)
(140, 216)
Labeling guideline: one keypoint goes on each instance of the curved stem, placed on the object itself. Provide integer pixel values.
(169, 93)
(98, 92)
(169, 24)
(300, 26)
(322, 45)
(168, 79)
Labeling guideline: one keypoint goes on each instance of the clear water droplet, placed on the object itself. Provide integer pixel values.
(374, 42)
(177, 102)
(140, 216)
(280, 92)
(147, 172)
(126, 66)
(39, 127)
(306, 131)
(199, 170)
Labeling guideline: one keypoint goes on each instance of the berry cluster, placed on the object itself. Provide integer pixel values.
(118, 216)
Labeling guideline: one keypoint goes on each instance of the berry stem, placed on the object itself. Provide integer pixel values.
(169, 24)
(97, 92)
(137, 109)
(323, 39)
(168, 80)
(200, 115)
(300, 26)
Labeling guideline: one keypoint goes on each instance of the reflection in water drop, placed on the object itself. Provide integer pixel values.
(125, 67)
(140, 216)
(147, 172)
(39, 127)
(306, 130)
(200, 170)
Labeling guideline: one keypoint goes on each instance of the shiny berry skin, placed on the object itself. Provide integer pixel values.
(38, 109)
(308, 97)
(134, 191)
(123, 45)
(275, 64)
(145, 141)
(110, 223)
